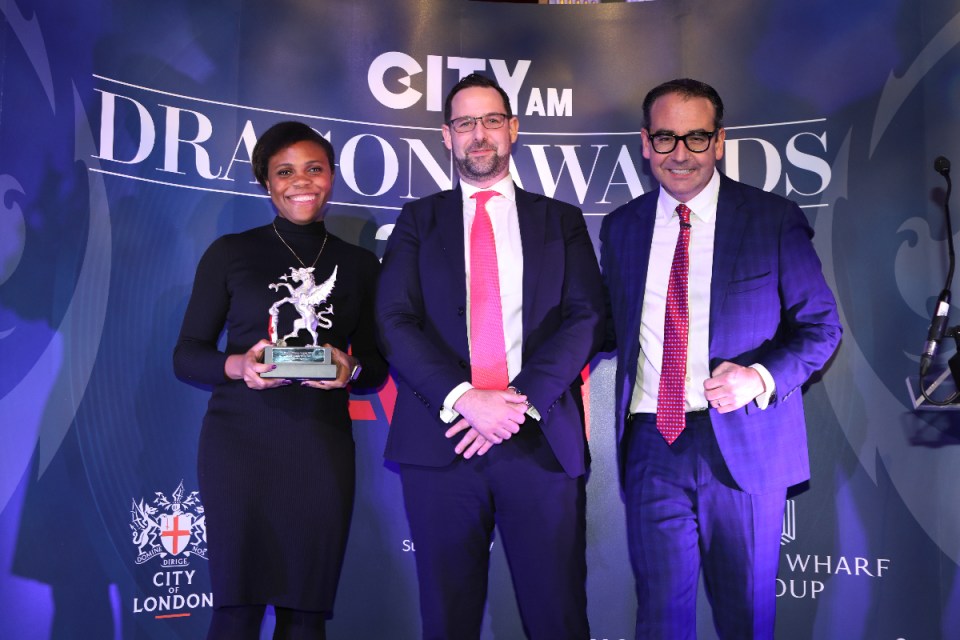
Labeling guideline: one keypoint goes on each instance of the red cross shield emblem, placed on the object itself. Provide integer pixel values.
(175, 532)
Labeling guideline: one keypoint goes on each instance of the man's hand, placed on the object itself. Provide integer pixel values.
(732, 386)
(472, 442)
(495, 415)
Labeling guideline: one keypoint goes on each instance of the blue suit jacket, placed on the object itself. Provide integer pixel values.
(769, 304)
(421, 314)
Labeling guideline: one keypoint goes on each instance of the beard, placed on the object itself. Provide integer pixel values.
(479, 169)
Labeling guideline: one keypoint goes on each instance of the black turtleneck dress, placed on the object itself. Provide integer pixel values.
(276, 467)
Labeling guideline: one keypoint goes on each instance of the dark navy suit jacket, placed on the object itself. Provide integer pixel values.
(769, 304)
(421, 314)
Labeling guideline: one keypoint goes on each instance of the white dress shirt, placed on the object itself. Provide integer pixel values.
(502, 210)
(703, 219)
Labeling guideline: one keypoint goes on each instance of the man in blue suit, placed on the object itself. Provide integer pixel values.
(705, 479)
(488, 439)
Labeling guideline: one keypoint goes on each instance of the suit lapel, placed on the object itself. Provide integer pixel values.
(730, 226)
(635, 253)
(448, 271)
(449, 221)
(532, 215)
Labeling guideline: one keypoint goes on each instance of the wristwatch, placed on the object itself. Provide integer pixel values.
(355, 372)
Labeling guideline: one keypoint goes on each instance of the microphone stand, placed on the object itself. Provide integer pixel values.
(938, 325)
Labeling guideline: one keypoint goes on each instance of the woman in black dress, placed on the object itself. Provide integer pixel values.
(276, 457)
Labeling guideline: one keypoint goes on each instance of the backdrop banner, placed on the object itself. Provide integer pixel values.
(126, 131)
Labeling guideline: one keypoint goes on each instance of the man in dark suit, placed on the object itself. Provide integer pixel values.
(720, 313)
(488, 428)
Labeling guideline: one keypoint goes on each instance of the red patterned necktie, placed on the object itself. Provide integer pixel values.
(488, 355)
(671, 419)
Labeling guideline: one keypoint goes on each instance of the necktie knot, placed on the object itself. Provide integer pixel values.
(483, 197)
(684, 212)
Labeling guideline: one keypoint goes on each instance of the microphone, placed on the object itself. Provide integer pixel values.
(942, 166)
(938, 325)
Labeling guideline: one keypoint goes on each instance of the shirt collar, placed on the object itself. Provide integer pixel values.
(703, 205)
(504, 187)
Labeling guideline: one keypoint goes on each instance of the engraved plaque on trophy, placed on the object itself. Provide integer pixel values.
(310, 362)
(300, 363)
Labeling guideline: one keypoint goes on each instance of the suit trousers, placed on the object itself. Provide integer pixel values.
(519, 487)
(686, 513)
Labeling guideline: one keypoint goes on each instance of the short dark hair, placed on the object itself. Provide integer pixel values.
(279, 137)
(474, 80)
(688, 89)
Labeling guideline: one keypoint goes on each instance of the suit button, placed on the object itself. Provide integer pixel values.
(461, 311)
(463, 365)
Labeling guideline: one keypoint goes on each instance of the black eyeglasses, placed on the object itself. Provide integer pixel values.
(468, 123)
(696, 141)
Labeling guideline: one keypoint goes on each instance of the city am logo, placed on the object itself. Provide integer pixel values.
(173, 528)
(397, 80)
(789, 532)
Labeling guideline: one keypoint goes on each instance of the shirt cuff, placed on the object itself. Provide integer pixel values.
(447, 413)
(763, 400)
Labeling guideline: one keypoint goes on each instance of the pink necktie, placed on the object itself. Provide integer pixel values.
(671, 418)
(488, 356)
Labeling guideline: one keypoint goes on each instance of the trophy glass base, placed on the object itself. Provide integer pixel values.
(300, 363)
